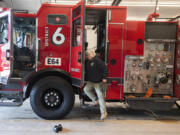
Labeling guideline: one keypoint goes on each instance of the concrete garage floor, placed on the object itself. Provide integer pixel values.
(120, 121)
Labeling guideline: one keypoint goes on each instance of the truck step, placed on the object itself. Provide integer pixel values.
(155, 104)
(11, 98)
(10, 103)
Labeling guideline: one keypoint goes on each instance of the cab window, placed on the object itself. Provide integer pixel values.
(76, 32)
(4, 30)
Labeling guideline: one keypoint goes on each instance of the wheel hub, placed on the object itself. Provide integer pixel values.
(52, 99)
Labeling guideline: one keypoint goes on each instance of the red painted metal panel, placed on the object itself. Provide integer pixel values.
(52, 6)
(46, 32)
(77, 52)
(134, 30)
(24, 15)
(177, 71)
(116, 31)
(118, 15)
(115, 92)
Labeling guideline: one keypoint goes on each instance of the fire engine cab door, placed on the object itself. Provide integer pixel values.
(5, 45)
(77, 48)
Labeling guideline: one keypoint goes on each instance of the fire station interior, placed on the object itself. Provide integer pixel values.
(24, 46)
(95, 28)
(143, 86)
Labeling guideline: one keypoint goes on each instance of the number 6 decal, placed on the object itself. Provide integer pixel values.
(58, 38)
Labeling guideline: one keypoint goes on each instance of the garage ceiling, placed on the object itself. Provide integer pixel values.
(137, 9)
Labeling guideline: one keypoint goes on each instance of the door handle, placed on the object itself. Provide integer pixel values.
(79, 57)
(107, 53)
(39, 45)
(8, 54)
(114, 82)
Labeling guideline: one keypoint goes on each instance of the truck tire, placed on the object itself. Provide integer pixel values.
(52, 98)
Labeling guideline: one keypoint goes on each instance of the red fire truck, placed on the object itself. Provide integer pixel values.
(42, 56)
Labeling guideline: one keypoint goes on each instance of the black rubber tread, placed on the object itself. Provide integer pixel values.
(56, 83)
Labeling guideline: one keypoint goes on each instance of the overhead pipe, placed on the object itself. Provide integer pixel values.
(116, 2)
(174, 18)
(154, 14)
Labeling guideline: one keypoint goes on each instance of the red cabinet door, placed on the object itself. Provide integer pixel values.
(116, 26)
(77, 48)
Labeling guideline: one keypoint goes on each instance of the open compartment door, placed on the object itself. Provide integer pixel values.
(77, 49)
(5, 44)
(115, 52)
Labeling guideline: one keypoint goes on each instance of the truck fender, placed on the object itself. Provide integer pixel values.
(34, 77)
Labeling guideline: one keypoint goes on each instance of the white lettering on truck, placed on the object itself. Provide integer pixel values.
(52, 61)
(46, 36)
